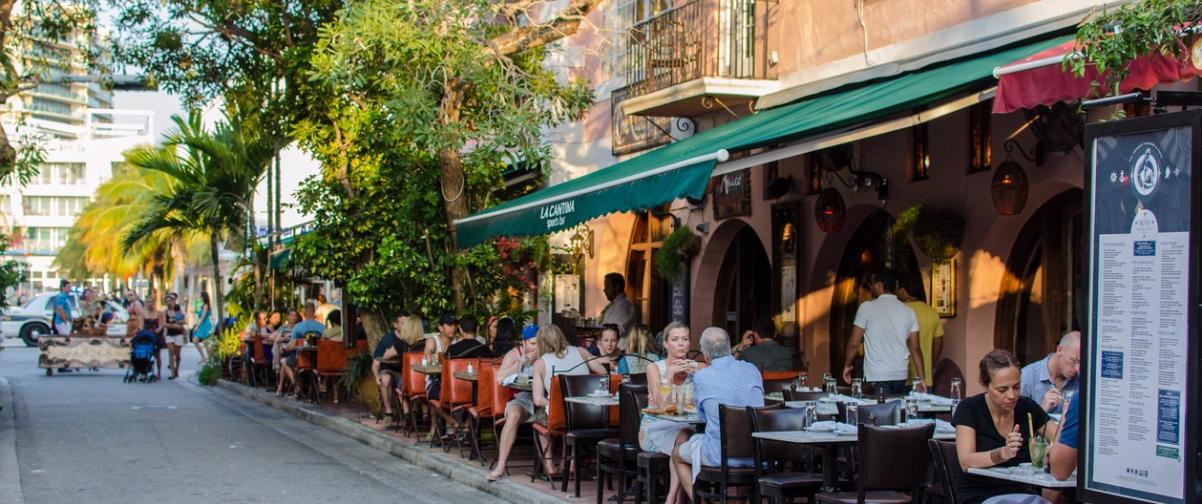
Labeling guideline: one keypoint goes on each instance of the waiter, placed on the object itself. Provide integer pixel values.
(619, 311)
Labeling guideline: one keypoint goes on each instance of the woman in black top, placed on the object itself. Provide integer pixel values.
(992, 429)
(504, 339)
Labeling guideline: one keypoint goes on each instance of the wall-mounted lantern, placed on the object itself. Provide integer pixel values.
(829, 210)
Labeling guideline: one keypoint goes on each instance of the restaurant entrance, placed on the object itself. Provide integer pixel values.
(743, 294)
(1043, 290)
(870, 249)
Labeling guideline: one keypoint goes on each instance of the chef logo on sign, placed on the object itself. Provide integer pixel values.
(1147, 170)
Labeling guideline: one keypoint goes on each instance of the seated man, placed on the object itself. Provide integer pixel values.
(726, 381)
(760, 348)
(1047, 380)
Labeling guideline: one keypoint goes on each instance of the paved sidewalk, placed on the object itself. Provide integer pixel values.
(470, 473)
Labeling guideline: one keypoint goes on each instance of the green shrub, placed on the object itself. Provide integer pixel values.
(209, 373)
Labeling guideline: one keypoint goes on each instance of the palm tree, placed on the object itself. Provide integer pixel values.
(215, 175)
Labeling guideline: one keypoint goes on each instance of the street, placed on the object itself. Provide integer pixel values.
(89, 437)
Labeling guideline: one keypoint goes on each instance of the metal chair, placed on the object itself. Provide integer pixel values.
(734, 432)
(771, 457)
(587, 425)
(947, 467)
(619, 455)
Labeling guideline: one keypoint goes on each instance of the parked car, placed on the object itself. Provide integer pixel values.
(33, 320)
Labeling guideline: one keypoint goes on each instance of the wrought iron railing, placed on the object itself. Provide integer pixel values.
(702, 38)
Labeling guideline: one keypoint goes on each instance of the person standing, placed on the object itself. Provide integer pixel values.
(204, 326)
(930, 328)
(137, 314)
(619, 311)
(889, 331)
(1049, 379)
(62, 309)
(175, 334)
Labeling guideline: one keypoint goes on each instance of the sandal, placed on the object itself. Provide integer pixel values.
(496, 475)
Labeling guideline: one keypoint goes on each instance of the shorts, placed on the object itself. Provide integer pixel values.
(691, 449)
(62, 328)
(434, 388)
(176, 340)
(526, 401)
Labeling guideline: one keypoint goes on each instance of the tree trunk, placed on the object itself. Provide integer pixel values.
(374, 325)
(218, 302)
(452, 182)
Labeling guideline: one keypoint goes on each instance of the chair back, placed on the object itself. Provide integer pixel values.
(888, 413)
(260, 354)
(942, 374)
(771, 453)
(638, 378)
(331, 356)
(360, 346)
(893, 459)
(734, 432)
(556, 421)
(947, 466)
(455, 391)
(485, 381)
(797, 395)
(583, 416)
(777, 381)
(632, 401)
(500, 394)
(415, 382)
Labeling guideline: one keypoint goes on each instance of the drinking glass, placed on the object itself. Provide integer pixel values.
(853, 415)
(911, 409)
(1068, 397)
(830, 387)
(915, 385)
(955, 404)
(803, 380)
(857, 388)
(1038, 446)
(955, 392)
(826, 377)
(665, 392)
(811, 413)
(603, 385)
(425, 362)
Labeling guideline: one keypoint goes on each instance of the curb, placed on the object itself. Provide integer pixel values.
(452, 468)
(10, 479)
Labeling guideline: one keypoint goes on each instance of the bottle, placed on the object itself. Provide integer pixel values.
(880, 395)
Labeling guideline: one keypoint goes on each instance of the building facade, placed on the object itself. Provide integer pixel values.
(790, 227)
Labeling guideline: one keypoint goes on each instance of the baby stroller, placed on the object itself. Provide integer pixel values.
(141, 357)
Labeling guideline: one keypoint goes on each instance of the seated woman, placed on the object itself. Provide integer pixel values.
(992, 429)
(607, 348)
(333, 330)
(640, 351)
(386, 359)
(557, 357)
(518, 361)
(501, 336)
(656, 435)
(284, 346)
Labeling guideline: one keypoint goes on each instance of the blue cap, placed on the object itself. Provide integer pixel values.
(529, 331)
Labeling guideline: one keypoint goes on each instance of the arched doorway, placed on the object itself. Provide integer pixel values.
(871, 248)
(1043, 289)
(743, 294)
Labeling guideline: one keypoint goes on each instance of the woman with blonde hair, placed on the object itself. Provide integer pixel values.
(640, 351)
(558, 357)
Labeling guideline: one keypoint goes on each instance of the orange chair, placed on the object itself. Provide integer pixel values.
(331, 364)
(456, 394)
(776, 381)
(412, 388)
(258, 362)
(556, 427)
(483, 409)
(615, 383)
(306, 363)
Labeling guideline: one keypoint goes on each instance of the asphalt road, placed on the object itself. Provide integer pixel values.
(88, 437)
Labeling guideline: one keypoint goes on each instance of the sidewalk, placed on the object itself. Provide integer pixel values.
(344, 420)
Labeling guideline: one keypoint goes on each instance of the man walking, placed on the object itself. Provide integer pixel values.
(1047, 380)
(930, 328)
(62, 309)
(889, 331)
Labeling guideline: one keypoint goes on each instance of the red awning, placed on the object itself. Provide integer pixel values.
(1038, 78)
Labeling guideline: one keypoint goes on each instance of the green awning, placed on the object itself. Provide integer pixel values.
(682, 169)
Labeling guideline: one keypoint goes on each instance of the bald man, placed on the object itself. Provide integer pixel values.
(1047, 380)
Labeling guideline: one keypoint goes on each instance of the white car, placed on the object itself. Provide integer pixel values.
(33, 320)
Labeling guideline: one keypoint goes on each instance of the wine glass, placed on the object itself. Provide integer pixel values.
(603, 385)
(857, 388)
(955, 391)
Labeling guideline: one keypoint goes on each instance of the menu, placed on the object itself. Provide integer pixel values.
(1140, 270)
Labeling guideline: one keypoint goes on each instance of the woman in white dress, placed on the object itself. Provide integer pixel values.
(656, 435)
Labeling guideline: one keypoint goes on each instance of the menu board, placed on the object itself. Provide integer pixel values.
(1138, 372)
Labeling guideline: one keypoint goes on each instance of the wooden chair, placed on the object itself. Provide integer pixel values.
(771, 458)
(618, 456)
(947, 467)
(484, 408)
(455, 394)
(734, 432)
(306, 370)
(586, 424)
(892, 461)
(777, 381)
(331, 364)
(555, 428)
(260, 364)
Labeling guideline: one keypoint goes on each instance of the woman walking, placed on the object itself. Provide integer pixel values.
(156, 322)
(204, 327)
(175, 335)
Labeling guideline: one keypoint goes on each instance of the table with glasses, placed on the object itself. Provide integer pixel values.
(829, 441)
(523, 383)
(1025, 475)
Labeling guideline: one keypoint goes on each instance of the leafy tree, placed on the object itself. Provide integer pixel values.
(12, 273)
(215, 177)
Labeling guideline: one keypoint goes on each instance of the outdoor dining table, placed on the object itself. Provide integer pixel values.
(594, 400)
(466, 376)
(428, 369)
(522, 383)
(1034, 477)
(689, 418)
(830, 442)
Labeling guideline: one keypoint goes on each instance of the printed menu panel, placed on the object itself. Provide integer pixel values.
(1139, 276)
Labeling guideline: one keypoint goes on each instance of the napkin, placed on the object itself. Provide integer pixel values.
(843, 428)
(941, 426)
(510, 379)
(824, 425)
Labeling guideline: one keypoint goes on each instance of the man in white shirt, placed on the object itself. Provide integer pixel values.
(889, 331)
(619, 311)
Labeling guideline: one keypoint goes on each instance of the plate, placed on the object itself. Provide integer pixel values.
(820, 428)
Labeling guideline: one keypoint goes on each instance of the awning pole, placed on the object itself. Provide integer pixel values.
(1031, 65)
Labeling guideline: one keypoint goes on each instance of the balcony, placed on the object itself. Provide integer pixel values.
(699, 57)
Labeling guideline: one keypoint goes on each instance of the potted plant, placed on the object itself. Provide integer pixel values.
(358, 377)
(676, 250)
(937, 230)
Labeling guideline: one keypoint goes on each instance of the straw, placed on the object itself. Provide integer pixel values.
(1031, 425)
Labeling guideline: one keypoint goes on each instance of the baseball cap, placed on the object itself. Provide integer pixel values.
(529, 331)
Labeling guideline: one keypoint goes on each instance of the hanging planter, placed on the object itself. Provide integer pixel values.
(937, 230)
(675, 252)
